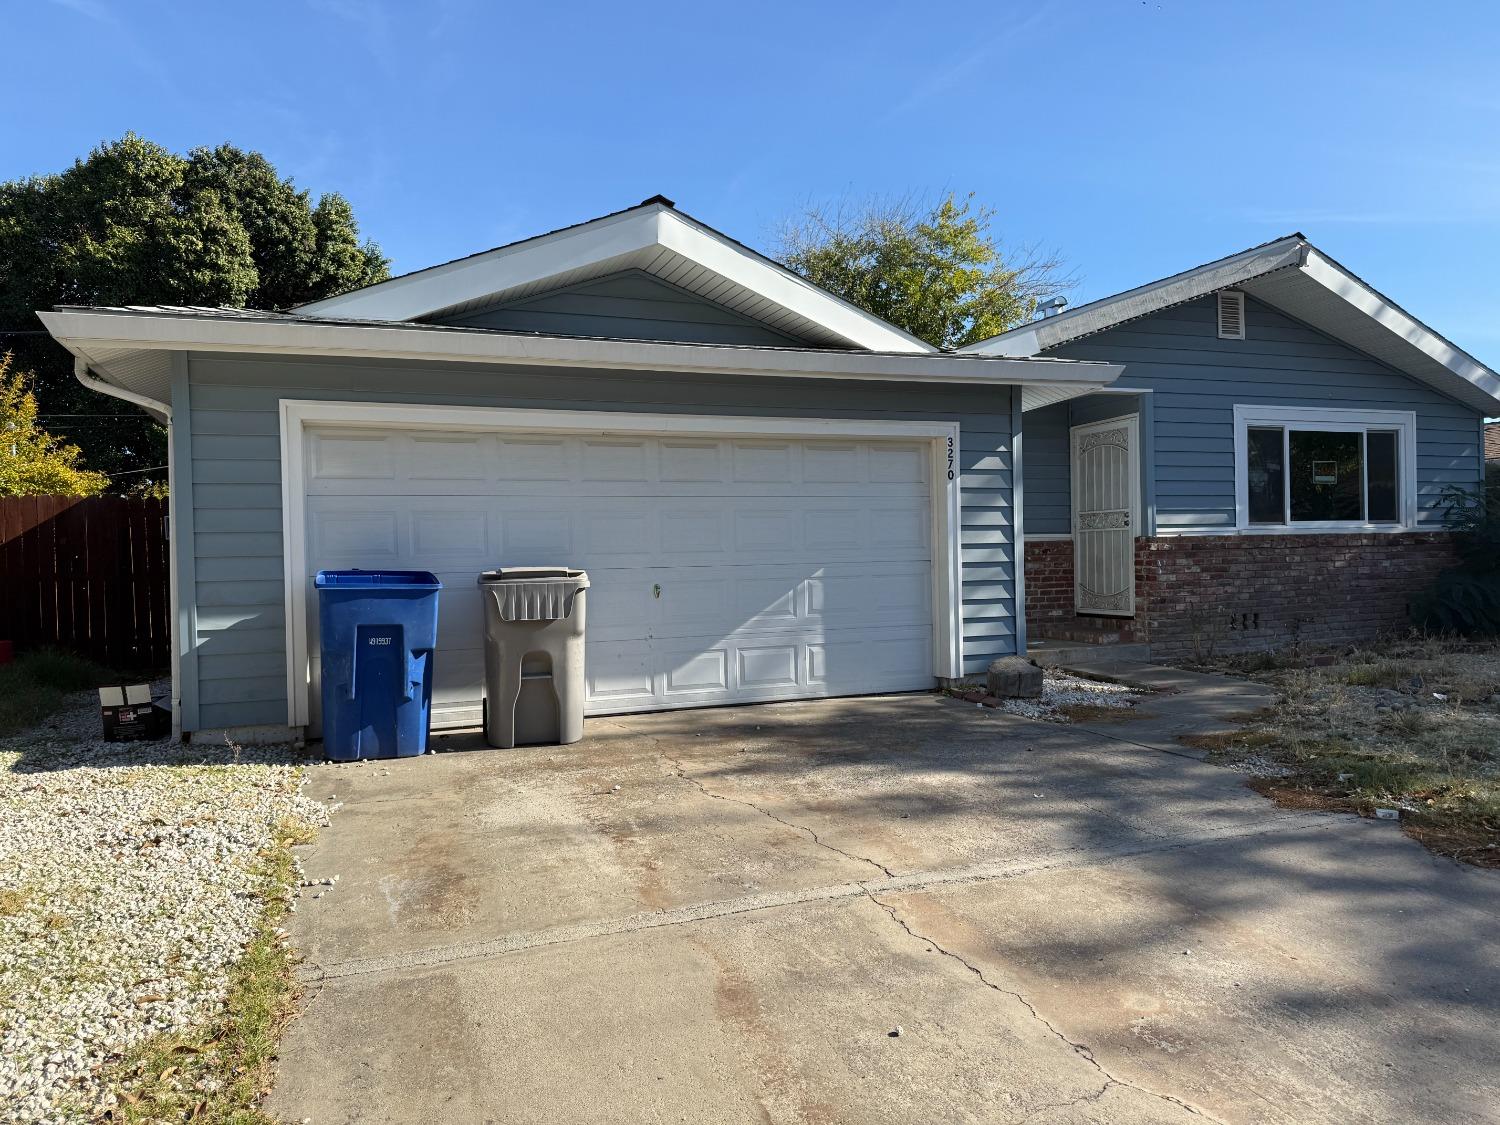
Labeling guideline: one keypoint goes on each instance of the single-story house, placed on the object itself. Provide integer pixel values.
(1267, 469)
(776, 494)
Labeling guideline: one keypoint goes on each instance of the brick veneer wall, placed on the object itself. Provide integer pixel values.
(1049, 583)
(1228, 593)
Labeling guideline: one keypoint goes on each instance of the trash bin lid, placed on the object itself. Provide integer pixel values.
(532, 593)
(376, 580)
(535, 574)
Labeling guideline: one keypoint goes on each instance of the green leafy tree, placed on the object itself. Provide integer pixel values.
(32, 461)
(936, 270)
(135, 224)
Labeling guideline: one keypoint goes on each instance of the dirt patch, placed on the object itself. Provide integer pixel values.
(1099, 713)
(1412, 726)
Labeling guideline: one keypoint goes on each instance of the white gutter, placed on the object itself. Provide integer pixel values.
(155, 406)
(129, 331)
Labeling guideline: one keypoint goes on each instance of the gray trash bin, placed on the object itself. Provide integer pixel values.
(533, 655)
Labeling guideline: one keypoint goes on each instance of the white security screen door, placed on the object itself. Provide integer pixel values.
(1106, 515)
(723, 569)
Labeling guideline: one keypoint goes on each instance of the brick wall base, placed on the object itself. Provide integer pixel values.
(1200, 595)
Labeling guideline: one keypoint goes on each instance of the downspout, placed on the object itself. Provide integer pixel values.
(93, 383)
(163, 410)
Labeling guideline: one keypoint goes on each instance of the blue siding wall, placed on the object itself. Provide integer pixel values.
(630, 305)
(1049, 500)
(238, 634)
(1197, 379)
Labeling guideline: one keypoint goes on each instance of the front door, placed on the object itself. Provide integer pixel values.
(1106, 515)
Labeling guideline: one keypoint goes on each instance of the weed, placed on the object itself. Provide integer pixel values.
(1385, 674)
(1223, 741)
(1409, 723)
(12, 901)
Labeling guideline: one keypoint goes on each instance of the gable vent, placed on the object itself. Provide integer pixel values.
(1231, 315)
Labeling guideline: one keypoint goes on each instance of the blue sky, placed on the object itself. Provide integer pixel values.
(1136, 139)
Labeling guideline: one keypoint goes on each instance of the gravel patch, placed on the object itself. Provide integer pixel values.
(1257, 765)
(1060, 690)
(128, 888)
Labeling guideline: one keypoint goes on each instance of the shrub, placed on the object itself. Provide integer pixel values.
(1466, 599)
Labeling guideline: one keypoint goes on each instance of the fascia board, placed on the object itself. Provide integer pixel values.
(100, 329)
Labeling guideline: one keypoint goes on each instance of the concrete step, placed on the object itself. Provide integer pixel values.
(1050, 653)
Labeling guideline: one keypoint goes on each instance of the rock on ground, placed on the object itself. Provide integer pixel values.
(129, 885)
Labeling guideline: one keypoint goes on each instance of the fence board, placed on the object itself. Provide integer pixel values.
(87, 575)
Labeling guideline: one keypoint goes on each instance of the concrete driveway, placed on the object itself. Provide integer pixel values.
(722, 916)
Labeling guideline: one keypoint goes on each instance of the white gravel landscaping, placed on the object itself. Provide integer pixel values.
(128, 887)
(1060, 690)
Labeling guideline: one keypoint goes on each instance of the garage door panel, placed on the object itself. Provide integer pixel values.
(696, 672)
(785, 568)
(459, 535)
(457, 457)
(694, 530)
(690, 462)
(352, 456)
(614, 461)
(618, 673)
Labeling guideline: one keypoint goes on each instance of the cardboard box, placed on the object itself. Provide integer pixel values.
(129, 714)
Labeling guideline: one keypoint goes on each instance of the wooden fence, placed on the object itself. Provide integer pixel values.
(86, 575)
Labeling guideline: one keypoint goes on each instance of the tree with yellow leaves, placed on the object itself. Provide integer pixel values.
(32, 461)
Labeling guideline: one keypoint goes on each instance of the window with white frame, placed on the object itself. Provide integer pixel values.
(1306, 468)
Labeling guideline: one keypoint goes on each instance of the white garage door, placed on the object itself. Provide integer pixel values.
(724, 571)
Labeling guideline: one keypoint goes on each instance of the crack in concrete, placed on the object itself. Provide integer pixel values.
(681, 772)
(1070, 1103)
(1080, 1049)
(708, 911)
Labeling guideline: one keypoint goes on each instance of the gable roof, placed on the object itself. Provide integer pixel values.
(1293, 276)
(654, 237)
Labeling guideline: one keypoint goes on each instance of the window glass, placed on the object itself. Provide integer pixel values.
(1327, 475)
(1380, 461)
(1267, 479)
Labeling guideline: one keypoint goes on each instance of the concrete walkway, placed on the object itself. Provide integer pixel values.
(1185, 703)
(722, 916)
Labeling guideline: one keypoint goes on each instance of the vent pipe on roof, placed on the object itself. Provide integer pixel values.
(1050, 307)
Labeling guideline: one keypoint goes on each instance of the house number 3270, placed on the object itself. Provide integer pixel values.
(950, 459)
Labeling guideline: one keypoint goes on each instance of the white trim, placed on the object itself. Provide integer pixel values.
(1096, 316)
(1267, 273)
(1289, 418)
(297, 415)
(1397, 320)
(129, 329)
(1230, 298)
(1296, 529)
(606, 244)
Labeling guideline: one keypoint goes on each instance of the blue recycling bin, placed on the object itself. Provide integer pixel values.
(378, 629)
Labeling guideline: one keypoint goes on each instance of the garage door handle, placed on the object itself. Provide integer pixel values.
(656, 589)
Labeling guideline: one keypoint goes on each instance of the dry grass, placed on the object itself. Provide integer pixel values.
(219, 1074)
(1412, 725)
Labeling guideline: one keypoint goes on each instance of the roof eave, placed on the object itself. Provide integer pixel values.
(112, 332)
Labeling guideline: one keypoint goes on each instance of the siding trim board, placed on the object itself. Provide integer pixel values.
(950, 630)
(182, 572)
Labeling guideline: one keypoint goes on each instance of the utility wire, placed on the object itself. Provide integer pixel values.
(130, 472)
